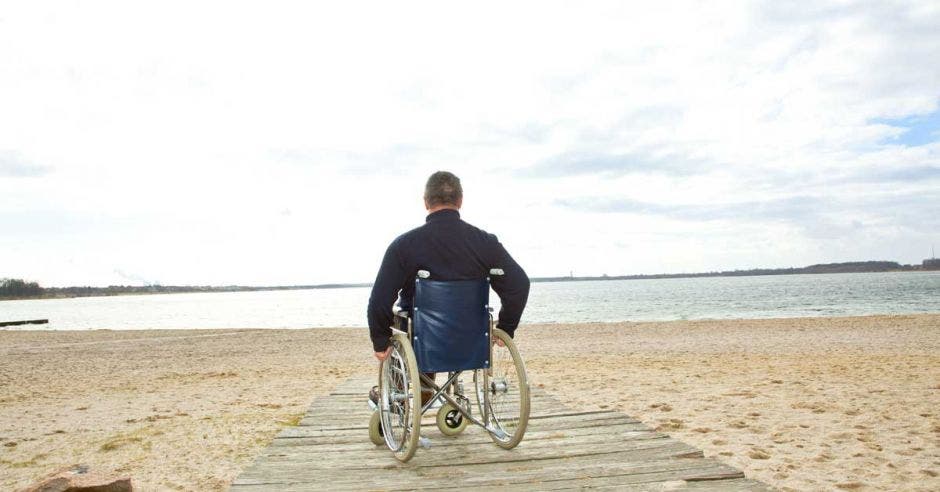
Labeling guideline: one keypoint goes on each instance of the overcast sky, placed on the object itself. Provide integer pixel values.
(288, 143)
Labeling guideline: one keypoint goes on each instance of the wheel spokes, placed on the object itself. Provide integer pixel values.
(503, 391)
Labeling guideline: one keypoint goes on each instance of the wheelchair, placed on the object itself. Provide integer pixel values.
(450, 330)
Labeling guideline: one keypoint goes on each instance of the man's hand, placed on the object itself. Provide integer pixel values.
(499, 341)
(383, 355)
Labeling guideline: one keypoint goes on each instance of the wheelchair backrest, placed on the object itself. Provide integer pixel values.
(451, 324)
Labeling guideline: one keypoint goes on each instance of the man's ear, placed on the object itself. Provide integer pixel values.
(459, 202)
(426, 205)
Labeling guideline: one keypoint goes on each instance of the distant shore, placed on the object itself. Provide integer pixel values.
(827, 268)
(801, 403)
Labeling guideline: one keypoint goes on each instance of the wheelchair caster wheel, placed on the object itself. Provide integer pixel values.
(450, 421)
(375, 429)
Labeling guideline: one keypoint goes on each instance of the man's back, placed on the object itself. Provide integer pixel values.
(450, 249)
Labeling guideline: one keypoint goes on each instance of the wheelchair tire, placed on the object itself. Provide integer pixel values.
(450, 421)
(510, 413)
(375, 429)
(401, 370)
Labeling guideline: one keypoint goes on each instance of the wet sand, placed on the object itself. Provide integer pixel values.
(802, 404)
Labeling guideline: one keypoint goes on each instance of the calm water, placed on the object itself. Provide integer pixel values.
(613, 300)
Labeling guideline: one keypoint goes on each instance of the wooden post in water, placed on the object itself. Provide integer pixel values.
(26, 322)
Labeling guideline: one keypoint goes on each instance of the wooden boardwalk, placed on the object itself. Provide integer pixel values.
(562, 449)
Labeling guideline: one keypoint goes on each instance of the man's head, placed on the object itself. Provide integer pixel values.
(442, 191)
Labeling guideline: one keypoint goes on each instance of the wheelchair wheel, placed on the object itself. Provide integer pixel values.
(450, 421)
(399, 404)
(375, 429)
(506, 388)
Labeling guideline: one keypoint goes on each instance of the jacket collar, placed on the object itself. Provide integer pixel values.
(443, 215)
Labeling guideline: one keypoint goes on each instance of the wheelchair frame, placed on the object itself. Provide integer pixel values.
(452, 394)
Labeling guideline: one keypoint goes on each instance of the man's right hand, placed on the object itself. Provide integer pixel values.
(383, 355)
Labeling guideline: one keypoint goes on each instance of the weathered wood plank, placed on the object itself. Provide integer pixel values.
(560, 419)
(636, 470)
(475, 450)
(354, 436)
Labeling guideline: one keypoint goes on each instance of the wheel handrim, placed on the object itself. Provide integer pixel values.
(395, 407)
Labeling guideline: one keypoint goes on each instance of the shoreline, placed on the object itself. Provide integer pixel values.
(830, 403)
(184, 289)
(29, 328)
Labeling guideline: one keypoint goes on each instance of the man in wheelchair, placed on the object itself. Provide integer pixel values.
(441, 274)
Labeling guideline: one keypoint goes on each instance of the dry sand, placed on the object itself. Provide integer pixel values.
(802, 404)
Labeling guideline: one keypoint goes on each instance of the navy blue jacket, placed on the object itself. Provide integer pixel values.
(450, 249)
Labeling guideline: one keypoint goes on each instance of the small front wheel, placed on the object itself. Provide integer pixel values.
(450, 421)
(375, 429)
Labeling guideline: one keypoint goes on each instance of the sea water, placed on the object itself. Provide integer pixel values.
(769, 296)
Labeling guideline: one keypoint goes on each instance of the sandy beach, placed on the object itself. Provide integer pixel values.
(802, 404)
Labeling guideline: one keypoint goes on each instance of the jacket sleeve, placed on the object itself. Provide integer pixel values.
(512, 288)
(385, 290)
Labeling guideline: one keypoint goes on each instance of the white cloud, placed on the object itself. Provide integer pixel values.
(179, 133)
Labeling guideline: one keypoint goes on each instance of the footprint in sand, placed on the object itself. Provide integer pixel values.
(758, 454)
(779, 438)
(671, 424)
(814, 407)
(822, 458)
(850, 485)
(840, 436)
(864, 437)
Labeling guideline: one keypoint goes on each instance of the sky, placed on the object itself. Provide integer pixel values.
(287, 143)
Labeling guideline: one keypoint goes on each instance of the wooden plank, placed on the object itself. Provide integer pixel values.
(452, 448)
(362, 419)
(571, 466)
(354, 436)
(340, 417)
(656, 482)
(637, 469)
(24, 322)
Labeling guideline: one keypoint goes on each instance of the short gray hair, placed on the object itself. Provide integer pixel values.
(443, 188)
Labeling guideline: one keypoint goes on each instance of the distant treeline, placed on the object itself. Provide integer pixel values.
(15, 288)
(115, 290)
(19, 289)
(847, 267)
